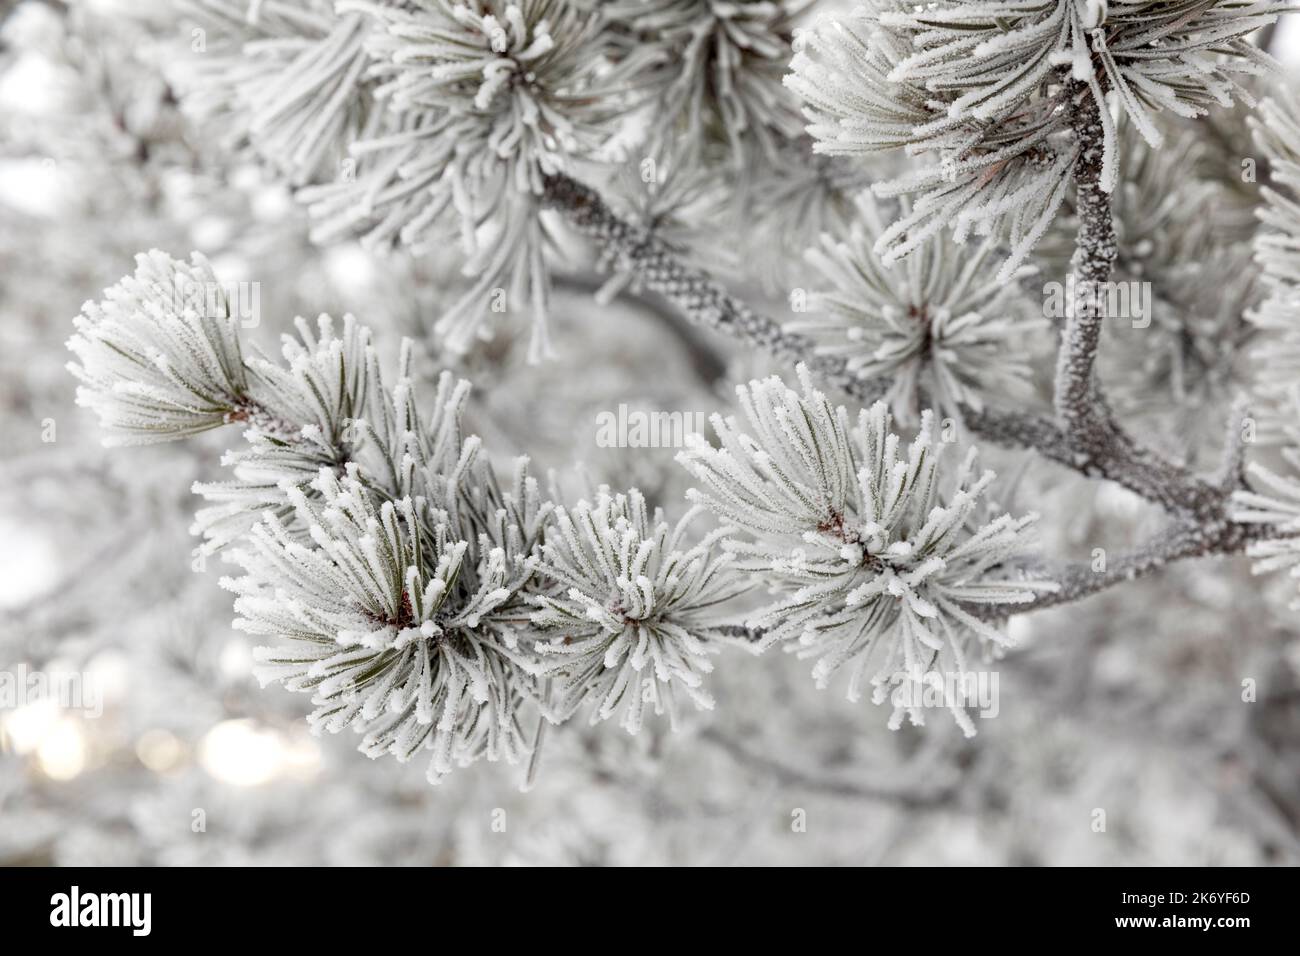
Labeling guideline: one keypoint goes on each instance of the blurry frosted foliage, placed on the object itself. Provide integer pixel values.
(714, 68)
(472, 177)
(798, 198)
(285, 79)
(937, 325)
(1278, 318)
(1277, 132)
(1277, 252)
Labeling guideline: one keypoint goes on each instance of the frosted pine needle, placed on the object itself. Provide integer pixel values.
(985, 87)
(634, 606)
(939, 324)
(875, 562)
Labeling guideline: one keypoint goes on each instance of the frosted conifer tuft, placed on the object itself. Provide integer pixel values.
(635, 607)
(159, 357)
(938, 324)
(877, 564)
(986, 88)
(395, 625)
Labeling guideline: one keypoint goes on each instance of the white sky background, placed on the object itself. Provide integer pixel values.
(1287, 45)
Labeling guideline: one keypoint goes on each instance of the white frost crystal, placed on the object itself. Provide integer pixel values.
(159, 357)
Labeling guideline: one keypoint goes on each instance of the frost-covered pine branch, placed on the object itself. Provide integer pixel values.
(634, 606)
(429, 608)
(707, 302)
(984, 88)
(1200, 508)
(377, 545)
(872, 561)
(431, 603)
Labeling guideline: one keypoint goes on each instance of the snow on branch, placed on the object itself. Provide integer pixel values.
(982, 87)
(429, 607)
(872, 557)
(441, 609)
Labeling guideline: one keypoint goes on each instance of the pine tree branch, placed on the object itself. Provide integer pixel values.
(1081, 579)
(1098, 451)
(1077, 580)
(1088, 433)
(709, 365)
(1094, 446)
(691, 290)
(1077, 398)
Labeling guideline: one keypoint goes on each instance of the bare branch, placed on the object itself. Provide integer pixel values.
(1095, 251)
(930, 797)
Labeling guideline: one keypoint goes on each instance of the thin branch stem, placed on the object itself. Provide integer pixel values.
(930, 798)
(695, 293)
(709, 366)
(1086, 428)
